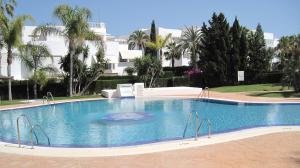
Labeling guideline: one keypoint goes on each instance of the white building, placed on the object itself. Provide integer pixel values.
(59, 48)
(116, 50)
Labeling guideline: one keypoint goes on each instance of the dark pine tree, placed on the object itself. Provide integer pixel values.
(153, 35)
(258, 57)
(153, 32)
(215, 50)
(234, 59)
(243, 50)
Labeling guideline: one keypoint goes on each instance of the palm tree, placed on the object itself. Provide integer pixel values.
(76, 30)
(173, 52)
(159, 44)
(33, 57)
(289, 52)
(138, 39)
(12, 36)
(6, 9)
(190, 42)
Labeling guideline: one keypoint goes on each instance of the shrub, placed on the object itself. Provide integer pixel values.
(19, 89)
(168, 74)
(110, 84)
(178, 71)
(129, 71)
(115, 77)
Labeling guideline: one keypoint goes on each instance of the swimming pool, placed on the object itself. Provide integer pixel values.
(124, 122)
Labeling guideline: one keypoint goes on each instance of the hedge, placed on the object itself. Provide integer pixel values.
(115, 77)
(110, 84)
(267, 77)
(19, 89)
(178, 71)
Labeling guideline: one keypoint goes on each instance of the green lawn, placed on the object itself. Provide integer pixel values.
(78, 97)
(6, 102)
(251, 88)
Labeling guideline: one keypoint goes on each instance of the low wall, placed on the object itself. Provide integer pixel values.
(156, 92)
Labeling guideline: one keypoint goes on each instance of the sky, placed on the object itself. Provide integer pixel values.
(281, 17)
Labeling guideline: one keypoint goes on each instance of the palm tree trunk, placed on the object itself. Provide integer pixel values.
(9, 61)
(72, 52)
(35, 90)
(158, 54)
(0, 62)
(173, 60)
(35, 85)
(193, 59)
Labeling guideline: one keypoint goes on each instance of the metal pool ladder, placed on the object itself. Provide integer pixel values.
(46, 98)
(32, 132)
(197, 127)
(204, 93)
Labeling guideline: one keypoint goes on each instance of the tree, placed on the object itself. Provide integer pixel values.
(289, 52)
(153, 39)
(215, 49)
(234, 59)
(148, 69)
(243, 50)
(76, 30)
(138, 39)
(190, 42)
(33, 57)
(259, 60)
(6, 11)
(7, 7)
(173, 52)
(12, 36)
(84, 75)
(129, 71)
(159, 45)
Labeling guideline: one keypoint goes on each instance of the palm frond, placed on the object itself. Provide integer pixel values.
(46, 30)
(64, 13)
(151, 45)
(48, 68)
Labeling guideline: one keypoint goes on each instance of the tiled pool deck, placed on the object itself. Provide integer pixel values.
(271, 150)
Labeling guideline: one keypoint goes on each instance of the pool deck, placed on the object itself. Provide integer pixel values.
(259, 147)
(279, 150)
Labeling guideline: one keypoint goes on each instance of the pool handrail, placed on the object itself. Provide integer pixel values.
(197, 125)
(31, 131)
(39, 126)
(208, 123)
(187, 123)
(50, 94)
(45, 98)
(204, 93)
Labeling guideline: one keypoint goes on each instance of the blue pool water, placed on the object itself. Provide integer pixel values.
(121, 122)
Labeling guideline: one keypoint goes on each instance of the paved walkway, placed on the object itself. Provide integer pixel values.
(281, 150)
(242, 96)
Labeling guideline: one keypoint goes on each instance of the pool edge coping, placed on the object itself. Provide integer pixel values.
(22, 106)
(145, 148)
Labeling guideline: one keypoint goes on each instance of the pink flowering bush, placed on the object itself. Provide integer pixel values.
(193, 72)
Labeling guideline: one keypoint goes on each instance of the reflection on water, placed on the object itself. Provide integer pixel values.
(129, 121)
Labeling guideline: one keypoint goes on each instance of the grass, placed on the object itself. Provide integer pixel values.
(6, 102)
(78, 97)
(251, 88)
(18, 101)
(285, 94)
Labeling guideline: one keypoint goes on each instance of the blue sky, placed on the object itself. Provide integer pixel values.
(281, 17)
